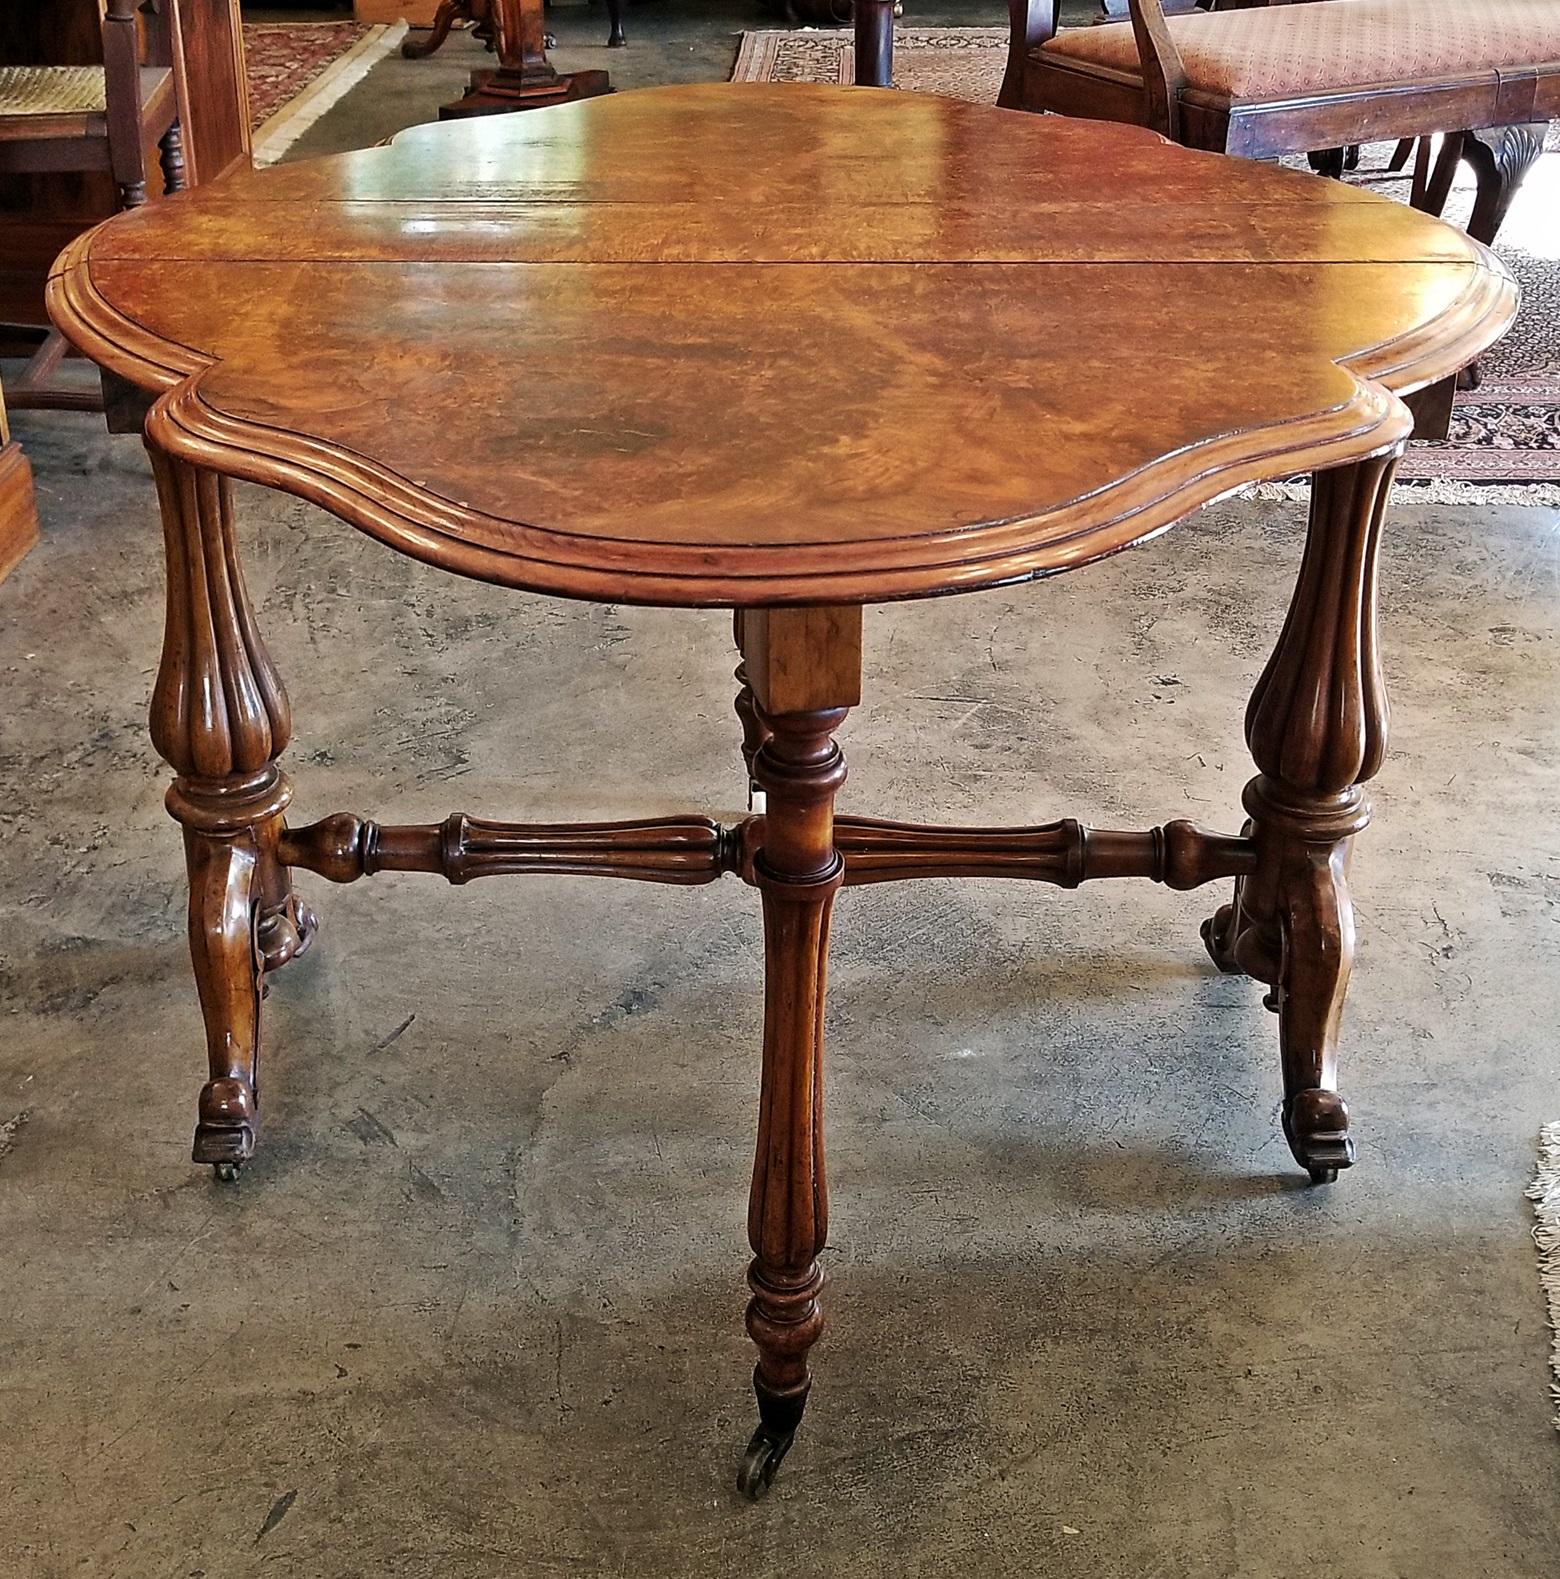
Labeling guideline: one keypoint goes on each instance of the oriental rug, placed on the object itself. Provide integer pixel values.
(298, 70)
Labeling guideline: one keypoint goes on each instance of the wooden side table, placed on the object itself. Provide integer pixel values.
(790, 351)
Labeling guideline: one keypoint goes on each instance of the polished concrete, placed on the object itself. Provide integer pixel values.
(476, 1309)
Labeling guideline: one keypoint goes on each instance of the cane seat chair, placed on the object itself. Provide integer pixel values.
(94, 118)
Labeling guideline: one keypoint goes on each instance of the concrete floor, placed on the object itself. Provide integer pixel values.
(476, 1310)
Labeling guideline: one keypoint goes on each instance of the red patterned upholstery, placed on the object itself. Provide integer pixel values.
(1289, 51)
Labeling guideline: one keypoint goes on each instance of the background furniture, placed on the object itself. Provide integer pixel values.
(524, 78)
(40, 212)
(94, 118)
(18, 508)
(476, 12)
(1294, 78)
(767, 347)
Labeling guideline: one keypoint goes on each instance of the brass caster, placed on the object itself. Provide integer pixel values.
(761, 1461)
(226, 1172)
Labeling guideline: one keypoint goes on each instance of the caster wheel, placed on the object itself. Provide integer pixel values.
(760, 1462)
(1323, 1175)
(226, 1172)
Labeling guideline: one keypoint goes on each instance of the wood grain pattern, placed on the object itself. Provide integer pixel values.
(898, 267)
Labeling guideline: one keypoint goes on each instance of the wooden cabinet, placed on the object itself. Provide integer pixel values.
(41, 214)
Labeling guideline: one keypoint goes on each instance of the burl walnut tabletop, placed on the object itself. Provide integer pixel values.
(789, 350)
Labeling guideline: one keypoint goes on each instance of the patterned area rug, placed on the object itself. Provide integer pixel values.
(1505, 432)
(298, 70)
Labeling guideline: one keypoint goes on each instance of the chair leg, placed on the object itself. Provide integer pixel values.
(615, 38)
(1438, 185)
(171, 148)
(1501, 157)
(35, 389)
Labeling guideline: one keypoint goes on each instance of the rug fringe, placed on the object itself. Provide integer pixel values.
(1432, 490)
(1544, 1193)
(332, 85)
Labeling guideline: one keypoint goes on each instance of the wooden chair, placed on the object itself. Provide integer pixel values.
(18, 511)
(86, 118)
(1317, 75)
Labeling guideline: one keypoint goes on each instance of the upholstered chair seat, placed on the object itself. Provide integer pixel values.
(1329, 46)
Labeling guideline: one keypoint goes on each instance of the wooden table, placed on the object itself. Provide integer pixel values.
(788, 350)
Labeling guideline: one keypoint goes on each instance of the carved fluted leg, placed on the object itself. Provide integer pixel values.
(1317, 729)
(805, 669)
(220, 718)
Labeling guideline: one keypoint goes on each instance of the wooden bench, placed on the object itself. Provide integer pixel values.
(1298, 78)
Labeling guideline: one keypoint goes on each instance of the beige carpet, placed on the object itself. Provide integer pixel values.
(1505, 437)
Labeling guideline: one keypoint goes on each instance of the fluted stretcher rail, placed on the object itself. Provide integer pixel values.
(691, 850)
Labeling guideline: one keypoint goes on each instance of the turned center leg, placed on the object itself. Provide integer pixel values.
(804, 669)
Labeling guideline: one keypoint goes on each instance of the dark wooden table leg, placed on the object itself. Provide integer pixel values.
(220, 718)
(874, 43)
(804, 666)
(1317, 728)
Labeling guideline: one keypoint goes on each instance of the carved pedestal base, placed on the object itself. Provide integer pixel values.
(499, 93)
